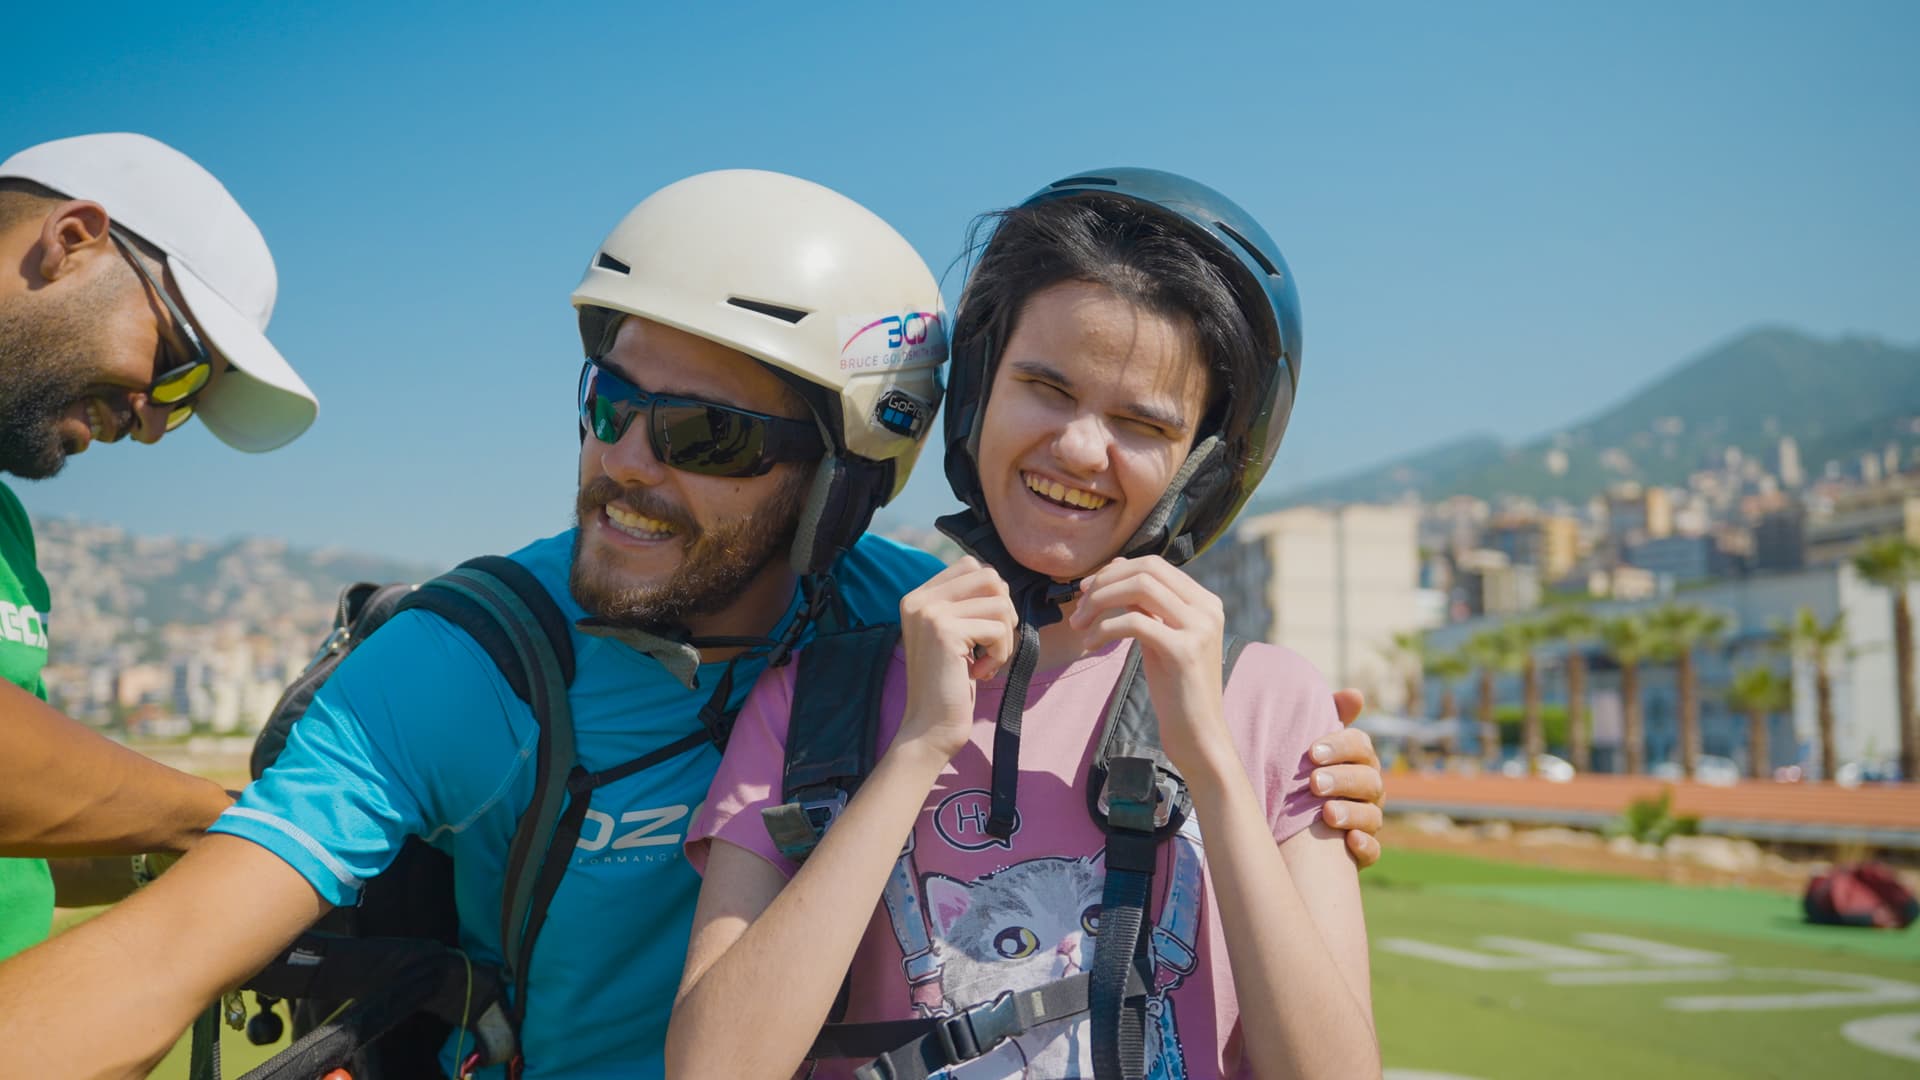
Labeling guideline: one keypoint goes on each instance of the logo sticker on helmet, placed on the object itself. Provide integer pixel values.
(902, 413)
(905, 339)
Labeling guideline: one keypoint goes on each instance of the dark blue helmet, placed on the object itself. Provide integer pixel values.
(1206, 495)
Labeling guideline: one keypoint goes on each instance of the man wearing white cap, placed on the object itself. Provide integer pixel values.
(134, 295)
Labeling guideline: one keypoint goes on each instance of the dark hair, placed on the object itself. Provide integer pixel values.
(21, 199)
(1147, 257)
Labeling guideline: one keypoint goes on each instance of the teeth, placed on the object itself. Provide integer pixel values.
(639, 525)
(100, 422)
(1060, 493)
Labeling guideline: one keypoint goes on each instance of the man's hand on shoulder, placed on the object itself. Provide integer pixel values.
(1347, 774)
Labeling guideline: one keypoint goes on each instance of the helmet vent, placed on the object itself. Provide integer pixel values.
(1081, 181)
(1258, 256)
(784, 314)
(608, 262)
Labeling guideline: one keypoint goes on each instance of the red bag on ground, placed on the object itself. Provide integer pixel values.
(1863, 894)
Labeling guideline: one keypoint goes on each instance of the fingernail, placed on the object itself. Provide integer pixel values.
(1339, 818)
(1322, 753)
(1322, 785)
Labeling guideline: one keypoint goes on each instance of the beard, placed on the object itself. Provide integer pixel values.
(719, 563)
(46, 365)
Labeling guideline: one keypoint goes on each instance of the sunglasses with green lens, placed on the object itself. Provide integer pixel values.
(180, 384)
(692, 435)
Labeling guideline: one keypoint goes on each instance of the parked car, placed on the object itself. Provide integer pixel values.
(1557, 769)
(1707, 769)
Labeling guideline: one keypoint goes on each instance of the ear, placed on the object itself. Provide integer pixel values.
(73, 232)
(947, 900)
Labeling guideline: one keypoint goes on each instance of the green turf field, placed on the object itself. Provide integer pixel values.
(1494, 971)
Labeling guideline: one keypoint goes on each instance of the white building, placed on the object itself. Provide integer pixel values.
(1334, 585)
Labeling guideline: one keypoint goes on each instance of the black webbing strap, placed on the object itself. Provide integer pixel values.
(580, 786)
(1145, 801)
(203, 1060)
(917, 1049)
(831, 733)
(1006, 732)
(505, 609)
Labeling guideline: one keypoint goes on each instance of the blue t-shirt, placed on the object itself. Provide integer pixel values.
(417, 734)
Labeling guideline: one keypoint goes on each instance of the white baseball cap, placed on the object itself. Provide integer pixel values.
(218, 258)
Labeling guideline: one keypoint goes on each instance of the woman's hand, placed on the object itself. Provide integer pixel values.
(1179, 626)
(958, 629)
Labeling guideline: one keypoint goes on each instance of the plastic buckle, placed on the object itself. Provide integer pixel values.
(961, 1040)
(1136, 795)
(822, 813)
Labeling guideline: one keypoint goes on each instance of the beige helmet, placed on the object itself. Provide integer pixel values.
(813, 285)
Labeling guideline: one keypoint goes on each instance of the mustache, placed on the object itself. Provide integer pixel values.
(602, 490)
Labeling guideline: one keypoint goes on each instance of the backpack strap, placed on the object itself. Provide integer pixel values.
(1137, 798)
(505, 609)
(831, 733)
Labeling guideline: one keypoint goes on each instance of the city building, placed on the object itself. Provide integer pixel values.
(1838, 529)
(1780, 540)
(1861, 671)
(1334, 585)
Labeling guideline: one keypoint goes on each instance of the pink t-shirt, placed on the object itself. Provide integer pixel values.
(967, 916)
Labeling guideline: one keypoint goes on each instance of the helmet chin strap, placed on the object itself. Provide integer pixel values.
(1037, 600)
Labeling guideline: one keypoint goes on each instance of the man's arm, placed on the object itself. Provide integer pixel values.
(160, 958)
(67, 790)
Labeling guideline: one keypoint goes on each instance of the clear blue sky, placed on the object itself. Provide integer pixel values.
(1501, 216)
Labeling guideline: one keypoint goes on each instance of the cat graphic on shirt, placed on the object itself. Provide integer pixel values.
(1019, 928)
(1023, 927)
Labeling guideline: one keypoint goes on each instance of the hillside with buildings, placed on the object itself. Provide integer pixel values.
(165, 635)
(1835, 401)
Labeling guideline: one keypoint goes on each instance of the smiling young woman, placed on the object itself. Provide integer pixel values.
(1125, 357)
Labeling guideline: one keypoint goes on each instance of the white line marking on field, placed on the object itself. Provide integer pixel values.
(1894, 1036)
(1861, 990)
(1657, 951)
(1504, 954)
(1545, 955)
(1639, 975)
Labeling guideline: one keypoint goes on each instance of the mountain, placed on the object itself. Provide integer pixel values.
(1838, 399)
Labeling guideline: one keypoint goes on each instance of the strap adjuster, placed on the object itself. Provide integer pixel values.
(797, 827)
(977, 1029)
(1137, 795)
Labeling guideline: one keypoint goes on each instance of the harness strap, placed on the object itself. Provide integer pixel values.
(830, 747)
(1139, 800)
(518, 607)
(203, 1060)
(917, 1049)
(1004, 807)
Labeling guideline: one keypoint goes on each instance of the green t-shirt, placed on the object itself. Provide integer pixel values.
(26, 889)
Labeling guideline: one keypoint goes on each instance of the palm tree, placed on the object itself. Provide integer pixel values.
(1527, 637)
(1574, 628)
(1759, 692)
(1628, 640)
(1412, 655)
(1506, 648)
(1893, 563)
(1485, 651)
(1449, 668)
(1678, 629)
(1812, 641)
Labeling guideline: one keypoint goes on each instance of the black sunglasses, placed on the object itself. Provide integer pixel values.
(694, 436)
(178, 385)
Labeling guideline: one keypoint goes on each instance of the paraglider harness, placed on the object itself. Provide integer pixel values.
(1134, 794)
(389, 968)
